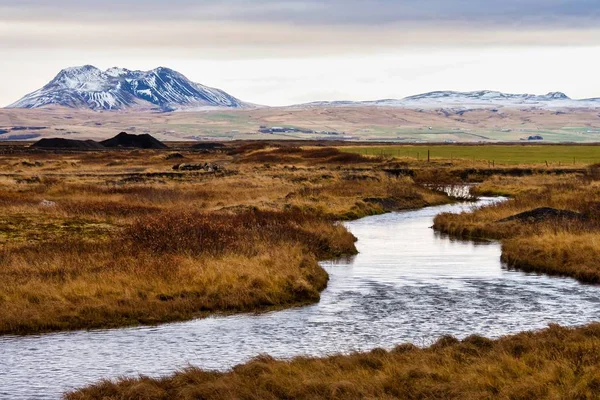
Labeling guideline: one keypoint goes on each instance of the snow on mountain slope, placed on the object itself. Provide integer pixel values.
(477, 99)
(119, 89)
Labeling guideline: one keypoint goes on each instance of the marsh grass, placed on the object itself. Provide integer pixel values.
(170, 267)
(557, 363)
(557, 253)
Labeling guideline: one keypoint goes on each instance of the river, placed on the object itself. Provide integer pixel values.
(408, 284)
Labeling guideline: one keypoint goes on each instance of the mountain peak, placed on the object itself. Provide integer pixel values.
(119, 88)
(165, 70)
(116, 71)
(80, 69)
(558, 95)
(78, 73)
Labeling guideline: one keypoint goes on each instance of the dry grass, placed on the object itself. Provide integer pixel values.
(131, 242)
(557, 363)
(557, 253)
(324, 155)
(572, 193)
(126, 241)
(90, 286)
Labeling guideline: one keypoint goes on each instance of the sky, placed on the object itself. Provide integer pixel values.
(288, 52)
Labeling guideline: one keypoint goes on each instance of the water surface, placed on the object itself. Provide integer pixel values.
(408, 284)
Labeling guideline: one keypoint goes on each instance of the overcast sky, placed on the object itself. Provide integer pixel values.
(285, 52)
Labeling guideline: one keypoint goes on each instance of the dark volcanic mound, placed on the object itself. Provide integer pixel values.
(544, 214)
(59, 143)
(144, 141)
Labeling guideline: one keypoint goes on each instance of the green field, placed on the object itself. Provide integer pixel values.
(499, 154)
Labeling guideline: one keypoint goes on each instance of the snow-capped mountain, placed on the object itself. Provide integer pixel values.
(88, 87)
(477, 99)
(487, 95)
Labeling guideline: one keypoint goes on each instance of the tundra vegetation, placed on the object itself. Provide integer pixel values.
(114, 238)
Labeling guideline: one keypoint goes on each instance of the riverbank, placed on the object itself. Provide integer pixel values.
(111, 239)
(554, 363)
(550, 225)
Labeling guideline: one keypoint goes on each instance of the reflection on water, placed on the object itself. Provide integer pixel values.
(458, 191)
(407, 284)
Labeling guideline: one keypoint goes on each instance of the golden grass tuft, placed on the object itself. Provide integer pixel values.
(556, 253)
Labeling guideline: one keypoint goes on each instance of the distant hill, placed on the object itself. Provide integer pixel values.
(88, 87)
(125, 139)
(477, 99)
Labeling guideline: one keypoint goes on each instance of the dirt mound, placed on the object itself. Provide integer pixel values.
(58, 143)
(174, 156)
(208, 146)
(144, 141)
(544, 214)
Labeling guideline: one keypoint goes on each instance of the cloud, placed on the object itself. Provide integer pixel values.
(532, 13)
(270, 40)
(270, 28)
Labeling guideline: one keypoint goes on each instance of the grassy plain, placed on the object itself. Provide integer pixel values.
(555, 155)
(364, 123)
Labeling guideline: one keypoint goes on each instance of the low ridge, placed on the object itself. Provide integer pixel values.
(60, 143)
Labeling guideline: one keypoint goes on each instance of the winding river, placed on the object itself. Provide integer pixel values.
(408, 284)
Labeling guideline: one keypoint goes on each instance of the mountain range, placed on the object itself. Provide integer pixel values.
(476, 99)
(164, 89)
(88, 87)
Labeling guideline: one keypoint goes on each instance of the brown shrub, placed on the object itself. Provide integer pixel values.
(325, 152)
(218, 233)
(593, 172)
(249, 147)
(107, 208)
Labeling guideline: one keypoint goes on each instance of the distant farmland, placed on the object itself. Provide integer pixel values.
(500, 154)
